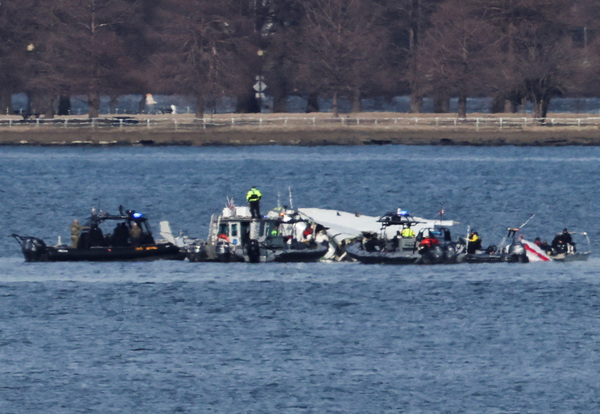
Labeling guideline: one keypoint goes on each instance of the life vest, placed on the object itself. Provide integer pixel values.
(428, 242)
(407, 232)
(254, 195)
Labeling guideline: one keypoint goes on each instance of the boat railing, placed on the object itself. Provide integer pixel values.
(213, 229)
(587, 239)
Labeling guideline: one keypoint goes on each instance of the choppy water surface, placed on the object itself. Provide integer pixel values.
(323, 337)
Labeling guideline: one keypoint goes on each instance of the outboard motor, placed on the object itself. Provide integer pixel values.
(253, 251)
(451, 253)
(33, 249)
(196, 253)
(517, 253)
(432, 254)
(223, 250)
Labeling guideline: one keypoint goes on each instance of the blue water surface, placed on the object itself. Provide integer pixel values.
(301, 338)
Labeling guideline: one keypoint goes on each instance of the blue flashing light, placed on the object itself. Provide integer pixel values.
(402, 213)
(137, 215)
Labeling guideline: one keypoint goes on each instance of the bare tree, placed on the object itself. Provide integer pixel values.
(455, 49)
(584, 22)
(341, 45)
(536, 59)
(76, 48)
(99, 53)
(518, 50)
(203, 50)
(9, 57)
(407, 22)
(280, 30)
(37, 74)
(132, 35)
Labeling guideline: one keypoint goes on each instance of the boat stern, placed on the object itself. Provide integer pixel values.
(34, 249)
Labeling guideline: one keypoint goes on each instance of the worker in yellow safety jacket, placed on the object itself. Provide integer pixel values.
(253, 197)
(407, 232)
(474, 243)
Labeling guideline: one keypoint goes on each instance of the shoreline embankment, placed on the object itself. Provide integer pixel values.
(305, 130)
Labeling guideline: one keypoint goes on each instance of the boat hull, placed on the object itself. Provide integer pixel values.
(571, 257)
(494, 258)
(256, 253)
(433, 255)
(382, 258)
(306, 255)
(35, 250)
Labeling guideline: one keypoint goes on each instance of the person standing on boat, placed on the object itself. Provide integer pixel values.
(396, 241)
(566, 237)
(75, 230)
(253, 197)
(135, 233)
(407, 231)
(120, 235)
(563, 242)
(474, 243)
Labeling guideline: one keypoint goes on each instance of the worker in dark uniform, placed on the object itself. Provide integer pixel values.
(566, 237)
(563, 242)
(253, 197)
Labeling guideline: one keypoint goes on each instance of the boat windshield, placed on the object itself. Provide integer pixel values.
(265, 229)
(229, 229)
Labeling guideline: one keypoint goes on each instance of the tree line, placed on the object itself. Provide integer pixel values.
(516, 51)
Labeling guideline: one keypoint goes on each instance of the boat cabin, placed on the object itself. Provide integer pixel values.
(442, 234)
(106, 230)
(238, 227)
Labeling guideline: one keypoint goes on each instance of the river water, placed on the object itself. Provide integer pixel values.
(324, 337)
